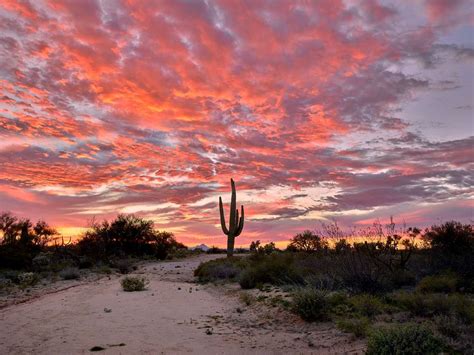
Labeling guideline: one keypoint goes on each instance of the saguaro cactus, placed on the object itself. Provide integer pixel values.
(235, 224)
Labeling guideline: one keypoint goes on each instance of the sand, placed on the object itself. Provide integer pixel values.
(173, 316)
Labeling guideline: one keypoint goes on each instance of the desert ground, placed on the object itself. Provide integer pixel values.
(174, 315)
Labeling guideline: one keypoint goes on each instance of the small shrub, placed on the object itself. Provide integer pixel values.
(134, 283)
(11, 275)
(103, 269)
(419, 304)
(248, 279)
(447, 326)
(246, 298)
(310, 304)
(339, 304)
(42, 261)
(85, 262)
(438, 283)
(26, 279)
(274, 269)
(70, 273)
(357, 326)
(219, 269)
(403, 339)
(367, 305)
(279, 301)
(124, 266)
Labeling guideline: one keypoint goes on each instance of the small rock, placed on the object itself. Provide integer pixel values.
(96, 348)
(107, 310)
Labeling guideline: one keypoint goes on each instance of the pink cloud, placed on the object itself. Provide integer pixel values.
(115, 103)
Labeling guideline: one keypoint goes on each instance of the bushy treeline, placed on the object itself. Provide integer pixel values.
(25, 245)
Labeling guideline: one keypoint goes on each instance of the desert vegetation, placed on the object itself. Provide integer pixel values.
(30, 253)
(398, 289)
(134, 283)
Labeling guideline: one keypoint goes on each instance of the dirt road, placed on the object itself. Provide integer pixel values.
(173, 316)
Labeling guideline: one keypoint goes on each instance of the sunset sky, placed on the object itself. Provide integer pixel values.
(320, 110)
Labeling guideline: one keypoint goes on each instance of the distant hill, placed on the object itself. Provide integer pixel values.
(202, 247)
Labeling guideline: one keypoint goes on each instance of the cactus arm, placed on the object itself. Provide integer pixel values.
(221, 210)
(241, 222)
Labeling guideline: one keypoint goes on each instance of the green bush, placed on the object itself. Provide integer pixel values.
(134, 283)
(367, 305)
(403, 339)
(274, 269)
(310, 304)
(438, 283)
(220, 269)
(70, 273)
(419, 304)
(357, 326)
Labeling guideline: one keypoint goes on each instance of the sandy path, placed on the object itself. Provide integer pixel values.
(173, 316)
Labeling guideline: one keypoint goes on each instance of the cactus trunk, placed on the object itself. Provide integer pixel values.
(236, 224)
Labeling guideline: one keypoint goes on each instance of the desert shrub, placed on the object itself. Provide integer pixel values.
(342, 246)
(127, 235)
(258, 250)
(420, 304)
(16, 256)
(448, 326)
(70, 273)
(85, 262)
(246, 298)
(103, 269)
(26, 279)
(310, 304)
(275, 269)
(403, 339)
(357, 326)
(367, 305)
(124, 266)
(375, 267)
(134, 283)
(42, 261)
(358, 273)
(451, 247)
(5, 285)
(220, 269)
(322, 281)
(308, 242)
(451, 237)
(248, 279)
(338, 303)
(21, 241)
(438, 283)
(456, 334)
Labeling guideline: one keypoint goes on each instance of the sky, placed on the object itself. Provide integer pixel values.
(320, 110)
